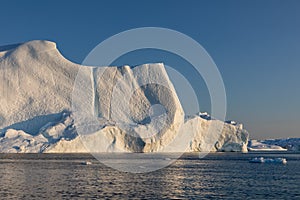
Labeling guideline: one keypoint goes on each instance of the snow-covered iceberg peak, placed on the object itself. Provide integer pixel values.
(36, 85)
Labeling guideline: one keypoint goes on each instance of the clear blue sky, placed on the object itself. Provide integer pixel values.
(255, 44)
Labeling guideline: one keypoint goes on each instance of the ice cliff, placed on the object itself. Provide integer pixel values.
(131, 109)
(232, 138)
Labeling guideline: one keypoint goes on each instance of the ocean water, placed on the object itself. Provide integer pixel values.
(217, 176)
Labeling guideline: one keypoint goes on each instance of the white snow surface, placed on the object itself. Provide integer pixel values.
(128, 112)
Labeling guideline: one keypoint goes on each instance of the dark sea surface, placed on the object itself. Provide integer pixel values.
(216, 176)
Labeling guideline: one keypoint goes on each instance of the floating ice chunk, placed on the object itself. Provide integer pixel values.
(268, 160)
(86, 163)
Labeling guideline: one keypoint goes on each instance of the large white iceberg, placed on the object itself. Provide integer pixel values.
(49, 104)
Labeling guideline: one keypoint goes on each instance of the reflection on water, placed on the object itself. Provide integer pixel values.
(220, 175)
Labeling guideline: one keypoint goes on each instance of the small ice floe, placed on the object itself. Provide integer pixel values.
(268, 160)
(86, 163)
(168, 159)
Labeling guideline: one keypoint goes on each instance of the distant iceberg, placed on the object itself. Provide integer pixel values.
(288, 144)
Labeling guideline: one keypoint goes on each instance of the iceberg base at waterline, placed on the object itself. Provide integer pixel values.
(61, 137)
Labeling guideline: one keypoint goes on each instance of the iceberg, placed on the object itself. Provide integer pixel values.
(51, 105)
(290, 144)
(285, 144)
